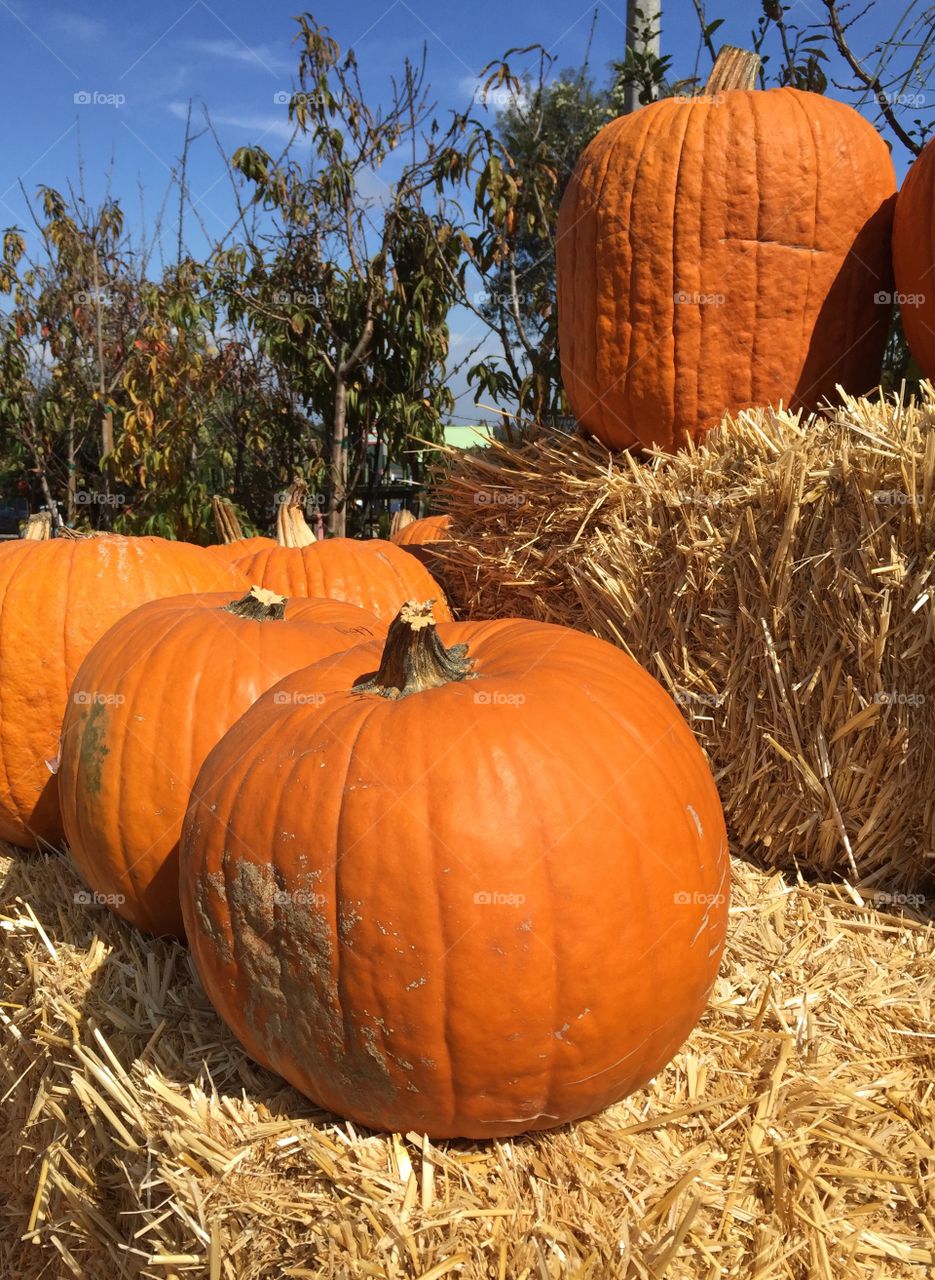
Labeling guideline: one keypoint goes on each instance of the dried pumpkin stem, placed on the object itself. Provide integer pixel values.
(82, 535)
(226, 521)
(291, 526)
(414, 658)
(733, 69)
(38, 526)
(259, 605)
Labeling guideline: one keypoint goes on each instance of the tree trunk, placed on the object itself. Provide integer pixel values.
(107, 422)
(338, 468)
(71, 494)
(337, 489)
(54, 516)
(651, 11)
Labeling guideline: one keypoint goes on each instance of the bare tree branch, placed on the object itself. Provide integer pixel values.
(869, 81)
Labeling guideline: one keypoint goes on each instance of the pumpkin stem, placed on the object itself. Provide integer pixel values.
(38, 526)
(291, 527)
(733, 69)
(226, 522)
(401, 518)
(414, 658)
(259, 605)
(81, 535)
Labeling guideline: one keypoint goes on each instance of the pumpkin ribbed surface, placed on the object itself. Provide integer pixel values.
(56, 599)
(719, 252)
(428, 529)
(374, 574)
(151, 699)
(914, 258)
(240, 547)
(491, 905)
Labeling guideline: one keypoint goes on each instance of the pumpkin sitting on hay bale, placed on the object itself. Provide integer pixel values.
(778, 581)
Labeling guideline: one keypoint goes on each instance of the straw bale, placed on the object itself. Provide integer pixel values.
(778, 581)
(793, 1136)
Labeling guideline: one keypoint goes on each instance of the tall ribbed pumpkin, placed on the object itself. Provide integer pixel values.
(722, 251)
(467, 891)
(371, 573)
(914, 258)
(56, 599)
(150, 700)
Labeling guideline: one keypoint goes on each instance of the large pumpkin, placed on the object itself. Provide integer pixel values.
(371, 573)
(480, 891)
(722, 251)
(240, 548)
(149, 702)
(418, 532)
(914, 258)
(56, 599)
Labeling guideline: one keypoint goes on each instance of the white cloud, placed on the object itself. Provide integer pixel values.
(258, 125)
(258, 56)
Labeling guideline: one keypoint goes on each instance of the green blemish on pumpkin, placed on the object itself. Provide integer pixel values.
(284, 952)
(94, 748)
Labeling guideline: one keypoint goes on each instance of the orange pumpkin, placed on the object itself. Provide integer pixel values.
(418, 532)
(56, 599)
(150, 700)
(420, 538)
(491, 895)
(914, 258)
(373, 574)
(231, 552)
(722, 251)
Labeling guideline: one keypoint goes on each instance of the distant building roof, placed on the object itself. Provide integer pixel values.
(460, 437)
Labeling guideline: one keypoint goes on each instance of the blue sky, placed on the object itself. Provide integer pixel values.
(140, 64)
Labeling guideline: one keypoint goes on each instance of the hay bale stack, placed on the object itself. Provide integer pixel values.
(777, 580)
(792, 1135)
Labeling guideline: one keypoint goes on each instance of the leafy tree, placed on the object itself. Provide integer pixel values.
(64, 343)
(347, 292)
(119, 399)
(519, 170)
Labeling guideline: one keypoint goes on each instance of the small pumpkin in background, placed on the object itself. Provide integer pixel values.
(421, 539)
(150, 700)
(492, 893)
(371, 573)
(914, 258)
(419, 532)
(292, 529)
(722, 251)
(57, 597)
